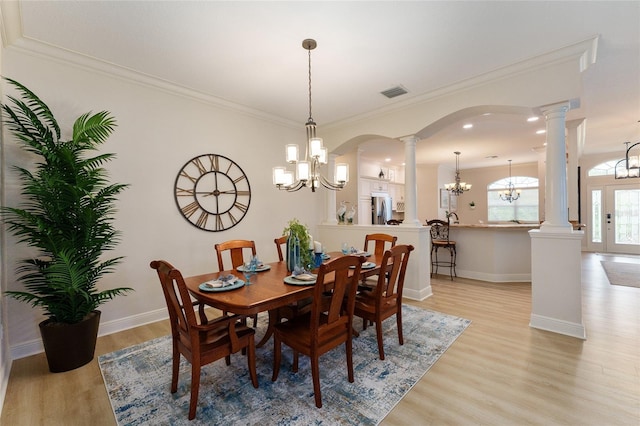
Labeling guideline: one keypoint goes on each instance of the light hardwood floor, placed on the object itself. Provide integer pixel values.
(499, 371)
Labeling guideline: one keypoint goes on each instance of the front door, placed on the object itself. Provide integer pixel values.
(615, 218)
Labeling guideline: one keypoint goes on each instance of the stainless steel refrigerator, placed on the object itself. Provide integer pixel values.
(380, 209)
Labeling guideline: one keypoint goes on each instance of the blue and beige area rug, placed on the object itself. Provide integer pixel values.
(138, 379)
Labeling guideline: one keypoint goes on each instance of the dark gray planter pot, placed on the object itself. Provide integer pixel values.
(69, 346)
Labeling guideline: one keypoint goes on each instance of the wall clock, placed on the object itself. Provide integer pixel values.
(212, 192)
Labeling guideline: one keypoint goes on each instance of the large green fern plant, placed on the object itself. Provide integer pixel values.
(67, 212)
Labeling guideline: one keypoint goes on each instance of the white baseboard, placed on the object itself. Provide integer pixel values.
(35, 346)
(558, 326)
(494, 278)
(417, 294)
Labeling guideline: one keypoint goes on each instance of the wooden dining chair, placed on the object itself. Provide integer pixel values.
(328, 325)
(279, 242)
(293, 309)
(385, 299)
(236, 250)
(381, 241)
(199, 343)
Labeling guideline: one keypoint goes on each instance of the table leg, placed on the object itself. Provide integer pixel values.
(273, 320)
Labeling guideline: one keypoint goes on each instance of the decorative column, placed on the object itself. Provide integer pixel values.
(329, 195)
(556, 207)
(556, 274)
(410, 182)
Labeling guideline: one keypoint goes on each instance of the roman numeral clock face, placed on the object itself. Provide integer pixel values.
(212, 192)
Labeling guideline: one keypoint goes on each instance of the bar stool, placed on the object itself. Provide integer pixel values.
(440, 239)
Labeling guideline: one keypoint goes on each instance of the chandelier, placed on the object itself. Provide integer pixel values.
(308, 169)
(457, 187)
(510, 194)
(629, 166)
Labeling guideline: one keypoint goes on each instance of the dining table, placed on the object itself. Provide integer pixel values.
(268, 290)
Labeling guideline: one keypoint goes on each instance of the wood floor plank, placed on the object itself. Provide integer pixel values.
(499, 371)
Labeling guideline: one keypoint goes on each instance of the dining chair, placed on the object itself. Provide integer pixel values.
(440, 240)
(293, 309)
(328, 325)
(200, 343)
(236, 250)
(381, 241)
(279, 242)
(385, 299)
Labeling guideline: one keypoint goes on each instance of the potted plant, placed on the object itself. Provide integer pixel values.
(472, 205)
(297, 231)
(67, 215)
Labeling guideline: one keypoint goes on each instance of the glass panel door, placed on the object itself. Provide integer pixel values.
(622, 219)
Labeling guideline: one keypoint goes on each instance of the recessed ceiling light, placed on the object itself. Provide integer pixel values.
(532, 119)
(387, 159)
(540, 132)
(467, 126)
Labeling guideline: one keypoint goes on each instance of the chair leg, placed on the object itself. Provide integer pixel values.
(349, 351)
(296, 357)
(399, 324)
(195, 388)
(227, 359)
(315, 374)
(251, 361)
(379, 336)
(175, 369)
(277, 351)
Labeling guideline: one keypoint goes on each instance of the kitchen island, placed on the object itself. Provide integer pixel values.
(493, 252)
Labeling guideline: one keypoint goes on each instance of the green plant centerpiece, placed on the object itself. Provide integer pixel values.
(67, 215)
(301, 232)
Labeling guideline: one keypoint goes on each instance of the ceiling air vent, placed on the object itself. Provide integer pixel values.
(394, 91)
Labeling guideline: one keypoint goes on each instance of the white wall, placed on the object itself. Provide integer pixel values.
(158, 131)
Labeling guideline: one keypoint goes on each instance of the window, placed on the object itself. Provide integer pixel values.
(524, 209)
(596, 214)
(604, 169)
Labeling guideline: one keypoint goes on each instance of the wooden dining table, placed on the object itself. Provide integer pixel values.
(266, 293)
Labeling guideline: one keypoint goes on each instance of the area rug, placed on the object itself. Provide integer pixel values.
(619, 273)
(138, 379)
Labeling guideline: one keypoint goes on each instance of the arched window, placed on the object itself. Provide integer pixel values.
(524, 209)
(603, 169)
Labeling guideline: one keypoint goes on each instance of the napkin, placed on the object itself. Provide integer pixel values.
(222, 281)
(305, 277)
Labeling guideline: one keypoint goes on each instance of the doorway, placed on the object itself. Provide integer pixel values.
(615, 218)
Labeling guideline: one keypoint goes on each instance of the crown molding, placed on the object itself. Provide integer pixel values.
(12, 38)
(584, 52)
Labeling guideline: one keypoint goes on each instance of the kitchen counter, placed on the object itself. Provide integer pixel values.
(493, 252)
(497, 225)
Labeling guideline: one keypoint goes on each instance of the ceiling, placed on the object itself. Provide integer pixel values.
(250, 53)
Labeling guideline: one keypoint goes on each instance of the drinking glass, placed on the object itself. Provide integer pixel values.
(345, 248)
(248, 270)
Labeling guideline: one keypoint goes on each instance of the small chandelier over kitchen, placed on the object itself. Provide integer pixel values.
(457, 187)
(308, 169)
(509, 194)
